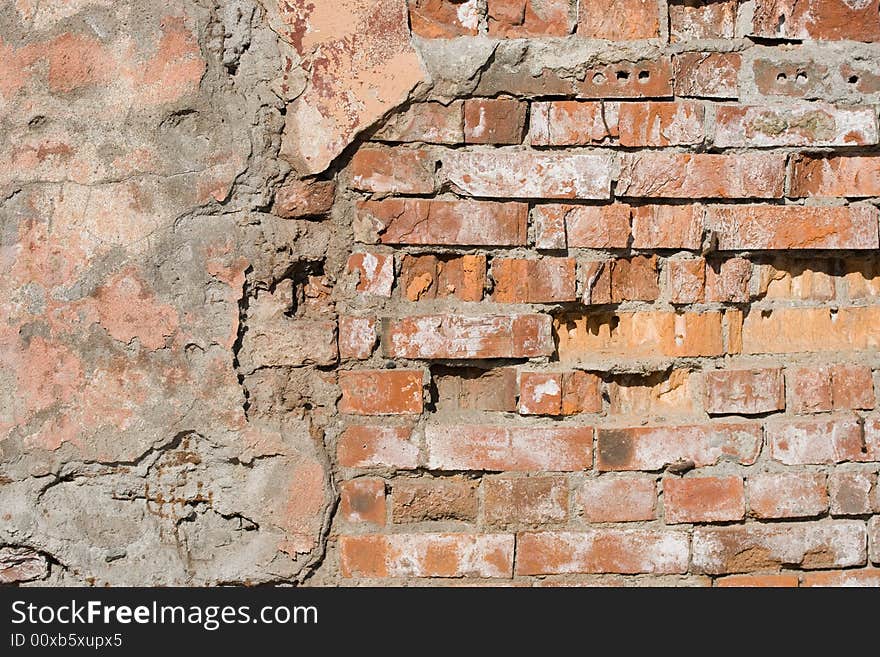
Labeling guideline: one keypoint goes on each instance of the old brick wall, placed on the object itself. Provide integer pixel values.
(532, 292)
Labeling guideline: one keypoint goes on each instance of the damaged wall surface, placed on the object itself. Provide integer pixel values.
(433, 292)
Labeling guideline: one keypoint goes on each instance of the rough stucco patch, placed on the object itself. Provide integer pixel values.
(362, 65)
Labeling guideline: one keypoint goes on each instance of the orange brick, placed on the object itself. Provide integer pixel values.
(494, 120)
(634, 279)
(433, 277)
(381, 392)
(524, 500)
(744, 392)
(852, 177)
(572, 123)
(617, 499)
(618, 20)
(852, 387)
(588, 226)
(667, 227)
(433, 123)
(728, 281)
(304, 198)
(392, 171)
(685, 280)
(787, 495)
(441, 19)
(363, 500)
(364, 447)
(654, 395)
(703, 499)
(816, 19)
(375, 272)
(660, 123)
(866, 577)
(548, 280)
(523, 18)
(495, 389)
(559, 393)
(794, 330)
(788, 580)
(644, 78)
(423, 500)
(707, 74)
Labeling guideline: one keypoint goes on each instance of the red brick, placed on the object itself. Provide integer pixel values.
(866, 577)
(707, 74)
(433, 123)
(737, 549)
(596, 275)
(529, 174)
(853, 177)
(519, 449)
(787, 495)
(816, 441)
(457, 336)
(703, 499)
(667, 227)
(743, 227)
(788, 580)
(587, 226)
(618, 20)
(744, 392)
(687, 175)
(660, 123)
(375, 272)
(392, 171)
(304, 198)
(659, 394)
(363, 500)
(685, 280)
(860, 77)
(648, 334)
(460, 223)
(690, 19)
(793, 330)
(852, 493)
(800, 77)
(634, 279)
(548, 280)
(653, 448)
(357, 337)
(813, 124)
(559, 393)
(874, 533)
(810, 389)
(627, 551)
(524, 500)
(444, 19)
(581, 393)
(572, 123)
(494, 120)
(645, 78)
(852, 387)
(364, 447)
(728, 281)
(424, 500)
(427, 555)
(437, 277)
(617, 499)
(483, 390)
(381, 392)
(522, 18)
(817, 19)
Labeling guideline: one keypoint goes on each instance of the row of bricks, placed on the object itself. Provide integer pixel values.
(726, 392)
(597, 281)
(624, 20)
(584, 338)
(518, 448)
(508, 121)
(502, 501)
(708, 550)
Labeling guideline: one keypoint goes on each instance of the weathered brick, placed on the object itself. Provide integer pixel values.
(304, 198)
(602, 551)
(737, 549)
(363, 500)
(667, 226)
(660, 124)
(743, 227)
(484, 390)
(653, 448)
(794, 330)
(801, 77)
(634, 279)
(457, 336)
(529, 174)
(852, 387)
(707, 74)
(611, 498)
(442, 19)
(520, 449)
(874, 533)
(727, 281)
(795, 278)
(587, 226)
(690, 19)
(274, 339)
(852, 493)
(817, 19)
(375, 272)
(572, 123)
(392, 171)
(548, 280)
(649, 334)
(645, 78)
(523, 18)
(814, 124)
(810, 389)
(596, 275)
(423, 499)
(703, 499)
(494, 120)
(559, 393)
(687, 175)
(581, 393)
(853, 177)
(789, 580)
(427, 555)
(654, 395)
(366, 446)
(357, 337)
(381, 392)
(816, 441)
(463, 223)
(618, 20)
(744, 392)
(685, 280)
(524, 500)
(867, 577)
(787, 494)
(433, 123)
(437, 277)
(19, 565)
